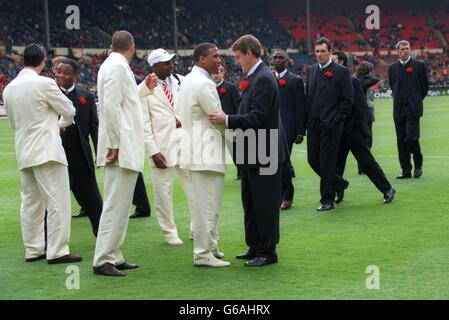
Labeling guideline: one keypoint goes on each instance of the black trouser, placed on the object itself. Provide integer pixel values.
(323, 143)
(407, 133)
(140, 197)
(83, 184)
(288, 173)
(354, 140)
(261, 195)
(368, 139)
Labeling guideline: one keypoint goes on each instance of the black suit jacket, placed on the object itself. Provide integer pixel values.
(86, 121)
(259, 109)
(416, 86)
(358, 115)
(229, 97)
(335, 97)
(293, 106)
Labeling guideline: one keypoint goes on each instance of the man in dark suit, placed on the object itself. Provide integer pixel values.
(75, 140)
(330, 96)
(355, 131)
(408, 80)
(258, 118)
(229, 98)
(292, 105)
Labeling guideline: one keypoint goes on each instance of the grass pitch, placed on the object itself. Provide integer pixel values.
(321, 256)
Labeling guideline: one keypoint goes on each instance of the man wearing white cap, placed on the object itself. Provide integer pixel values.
(167, 137)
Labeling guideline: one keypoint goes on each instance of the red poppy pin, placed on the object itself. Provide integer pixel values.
(222, 90)
(328, 74)
(244, 85)
(282, 83)
(409, 70)
(82, 100)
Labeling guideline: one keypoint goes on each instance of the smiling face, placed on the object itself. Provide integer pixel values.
(322, 53)
(65, 75)
(212, 61)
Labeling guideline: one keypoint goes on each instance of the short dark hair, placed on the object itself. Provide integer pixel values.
(364, 68)
(122, 41)
(75, 66)
(33, 55)
(202, 50)
(342, 57)
(325, 41)
(247, 43)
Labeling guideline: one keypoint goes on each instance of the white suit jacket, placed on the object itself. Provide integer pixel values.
(202, 145)
(33, 104)
(122, 123)
(163, 121)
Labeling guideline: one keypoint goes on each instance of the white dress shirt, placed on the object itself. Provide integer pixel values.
(281, 75)
(405, 62)
(326, 65)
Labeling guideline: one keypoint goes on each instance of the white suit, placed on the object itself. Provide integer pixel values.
(167, 139)
(203, 155)
(33, 104)
(124, 126)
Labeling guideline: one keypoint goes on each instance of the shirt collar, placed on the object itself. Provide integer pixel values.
(281, 75)
(28, 71)
(221, 82)
(202, 70)
(67, 91)
(326, 65)
(118, 54)
(404, 63)
(253, 69)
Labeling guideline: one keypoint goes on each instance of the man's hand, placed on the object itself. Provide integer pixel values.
(299, 139)
(151, 81)
(111, 156)
(217, 117)
(159, 161)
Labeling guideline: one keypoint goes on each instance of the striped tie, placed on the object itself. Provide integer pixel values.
(170, 99)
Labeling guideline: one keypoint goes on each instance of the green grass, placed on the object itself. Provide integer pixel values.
(321, 256)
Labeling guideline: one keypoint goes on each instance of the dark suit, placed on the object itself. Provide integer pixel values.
(409, 84)
(261, 194)
(292, 105)
(75, 140)
(354, 139)
(229, 98)
(329, 101)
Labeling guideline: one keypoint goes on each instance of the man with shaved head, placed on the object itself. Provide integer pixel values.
(124, 135)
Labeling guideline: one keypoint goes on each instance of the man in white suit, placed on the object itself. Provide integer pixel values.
(124, 135)
(167, 134)
(33, 104)
(203, 154)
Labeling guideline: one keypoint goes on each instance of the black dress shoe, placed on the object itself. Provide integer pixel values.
(389, 196)
(404, 175)
(417, 173)
(325, 207)
(340, 194)
(139, 215)
(261, 261)
(41, 257)
(246, 256)
(108, 269)
(68, 258)
(82, 213)
(126, 266)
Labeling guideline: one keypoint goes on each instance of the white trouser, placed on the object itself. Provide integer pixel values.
(45, 187)
(208, 192)
(119, 185)
(163, 197)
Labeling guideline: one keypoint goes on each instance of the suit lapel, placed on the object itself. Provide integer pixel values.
(312, 81)
(162, 97)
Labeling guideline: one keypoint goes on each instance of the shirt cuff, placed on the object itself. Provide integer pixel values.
(227, 122)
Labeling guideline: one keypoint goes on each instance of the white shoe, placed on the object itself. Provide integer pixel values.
(212, 262)
(218, 254)
(174, 241)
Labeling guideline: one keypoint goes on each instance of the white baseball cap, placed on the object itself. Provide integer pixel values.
(159, 55)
